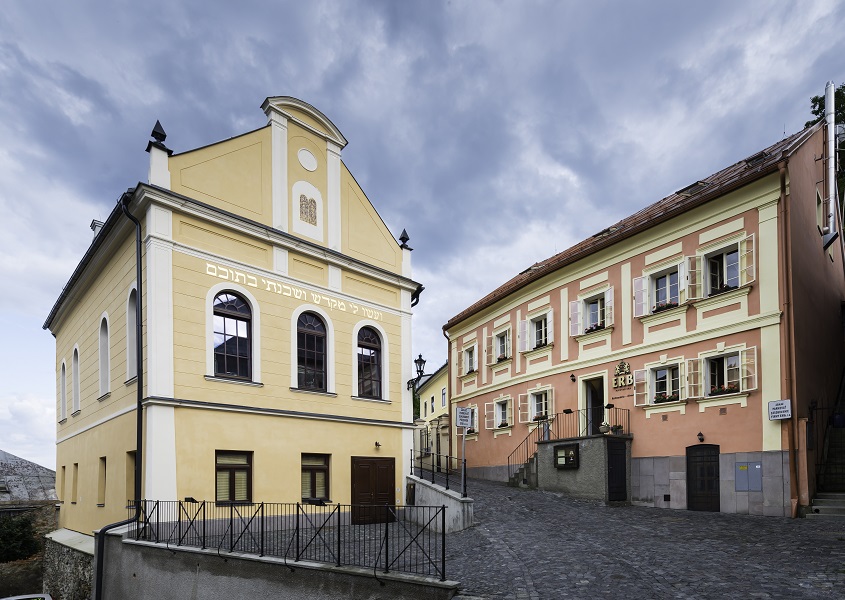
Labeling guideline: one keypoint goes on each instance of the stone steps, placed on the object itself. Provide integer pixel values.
(828, 505)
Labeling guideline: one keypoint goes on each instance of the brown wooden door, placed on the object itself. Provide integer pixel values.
(373, 482)
(703, 477)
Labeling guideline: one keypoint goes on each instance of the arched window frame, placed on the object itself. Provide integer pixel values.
(255, 331)
(63, 392)
(131, 334)
(330, 353)
(104, 356)
(74, 374)
(385, 363)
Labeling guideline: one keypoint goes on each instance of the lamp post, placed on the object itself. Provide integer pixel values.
(419, 365)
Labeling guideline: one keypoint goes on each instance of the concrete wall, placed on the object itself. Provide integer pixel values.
(589, 480)
(495, 473)
(139, 571)
(459, 511)
(653, 477)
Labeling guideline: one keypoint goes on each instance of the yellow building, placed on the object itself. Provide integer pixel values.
(276, 332)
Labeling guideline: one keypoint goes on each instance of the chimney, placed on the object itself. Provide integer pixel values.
(159, 173)
(96, 226)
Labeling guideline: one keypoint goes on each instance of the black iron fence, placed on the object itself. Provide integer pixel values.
(441, 469)
(385, 538)
(570, 424)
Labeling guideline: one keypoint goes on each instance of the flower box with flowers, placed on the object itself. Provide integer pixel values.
(721, 289)
(664, 397)
(661, 306)
(592, 328)
(540, 417)
(721, 390)
(502, 357)
(470, 431)
(503, 424)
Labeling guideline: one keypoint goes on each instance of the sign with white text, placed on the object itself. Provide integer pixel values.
(780, 409)
(463, 417)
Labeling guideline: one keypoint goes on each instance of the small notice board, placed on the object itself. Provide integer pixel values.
(463, 417)
(780, 409)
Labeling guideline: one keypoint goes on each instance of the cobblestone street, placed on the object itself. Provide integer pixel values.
(541, 545)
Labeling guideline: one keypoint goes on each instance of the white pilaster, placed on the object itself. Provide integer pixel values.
(280, 260)
(159, 173)
(159, 303)
(279, 161)
(335, 278)
(627, 313)
(333, 170)
(160, 453)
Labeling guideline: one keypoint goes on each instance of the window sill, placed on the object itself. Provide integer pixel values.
(75, 413)
(376, 400)
(666, 314)
(468, 376)
(503, 431)
(664, 407)
(62, 421)
(101, 505)
(740, 398)
(235, 381)
(131, 380)
(538, 350)
(722, 297)
(471, 437)
(314, 392)
(104, 396)
(586, 337)
(500, 363)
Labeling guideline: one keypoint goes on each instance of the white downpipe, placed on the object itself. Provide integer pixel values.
(829, 112)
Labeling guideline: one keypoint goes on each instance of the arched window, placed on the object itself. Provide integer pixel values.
(311, 352)
(63, 393)
(132, 335)
(232, 350)
(74, 373)
(105, 375)
(369, 363)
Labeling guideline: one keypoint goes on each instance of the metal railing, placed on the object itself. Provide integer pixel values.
(570, 424)
(385, 538)
(441, 469)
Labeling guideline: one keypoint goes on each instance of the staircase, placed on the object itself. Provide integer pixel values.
(526, 475)
(829, 501)
(827, 505)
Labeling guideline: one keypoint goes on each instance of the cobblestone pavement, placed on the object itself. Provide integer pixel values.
(530, 544)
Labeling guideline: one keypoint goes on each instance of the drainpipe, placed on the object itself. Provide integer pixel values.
(786, 336)
(830, 168)
(139, 421)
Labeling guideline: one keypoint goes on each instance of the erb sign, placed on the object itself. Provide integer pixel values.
(780, 409)
(463, 417)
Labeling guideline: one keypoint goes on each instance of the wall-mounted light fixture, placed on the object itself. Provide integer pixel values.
(378, 445)
(700, 437)
(567, 411)
(608, 405)
(572, 377)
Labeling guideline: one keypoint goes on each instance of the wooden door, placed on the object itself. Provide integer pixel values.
(703, 477)
(373, 481)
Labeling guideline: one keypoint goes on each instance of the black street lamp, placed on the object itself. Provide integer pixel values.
(419, 364)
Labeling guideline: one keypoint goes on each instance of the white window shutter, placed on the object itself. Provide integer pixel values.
(694, 278)
(641, 387)
(524, 409)
(461, 361)
(682, 283)
(550, 402)
(510, 412)
(550, 327)
(695, 380)
(682, 391)
(489, 415)
(524, 342)
(508, 350)
(575, 318)
(747, 270)
(640, 296)
(748, 365)
(491, 354)
(608, 307)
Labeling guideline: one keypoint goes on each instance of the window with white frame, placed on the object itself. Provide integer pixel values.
(499, 347)
(659, 384)
(730, 372)
(723, 269)
(593, 313)
(132, 335)
(74, 374)
(473, 420)
(443, 398)
(536, 332)
(468, 364)
(498, 413)
(659, 291)
(63, 393)
(104, 358)
(432, 404)
(536, 405)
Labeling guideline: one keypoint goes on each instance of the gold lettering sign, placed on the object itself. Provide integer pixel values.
(622, 375)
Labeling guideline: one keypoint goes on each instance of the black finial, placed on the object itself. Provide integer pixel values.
(404, 239)
(158, 132)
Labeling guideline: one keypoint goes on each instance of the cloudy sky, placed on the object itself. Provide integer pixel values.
(496, 132)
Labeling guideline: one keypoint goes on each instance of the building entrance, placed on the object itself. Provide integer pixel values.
(595, 404)
(373, 481)
(703, 477)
